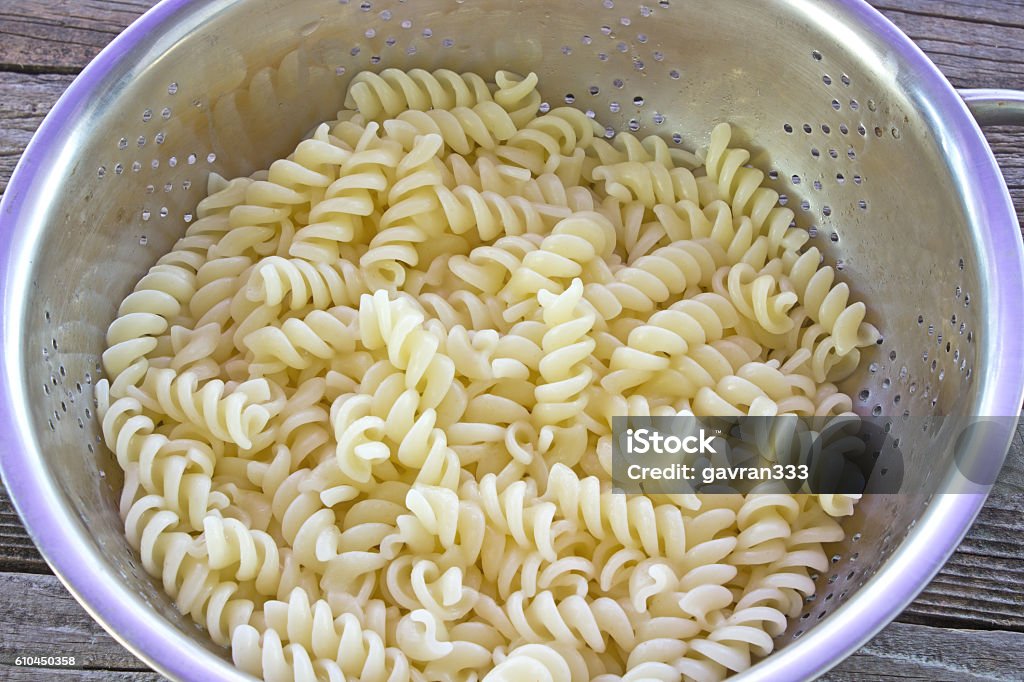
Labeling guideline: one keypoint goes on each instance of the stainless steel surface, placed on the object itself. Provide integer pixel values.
(996, 107)
(867, 142)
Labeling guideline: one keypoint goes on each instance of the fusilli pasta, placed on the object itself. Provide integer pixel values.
(364, 406)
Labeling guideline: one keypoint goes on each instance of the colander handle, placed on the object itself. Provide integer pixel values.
(996, 107)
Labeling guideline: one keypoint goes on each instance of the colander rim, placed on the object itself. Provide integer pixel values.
(62, 537)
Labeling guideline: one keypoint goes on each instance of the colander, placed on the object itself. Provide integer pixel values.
(863, 137)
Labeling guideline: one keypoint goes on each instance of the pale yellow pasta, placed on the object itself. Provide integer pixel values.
(365, 405)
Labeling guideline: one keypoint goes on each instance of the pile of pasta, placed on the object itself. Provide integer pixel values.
(364, 405)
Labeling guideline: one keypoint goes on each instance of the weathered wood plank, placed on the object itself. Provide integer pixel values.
(971, 49)
(981, 584)
(1002, 13)
(1008, 145)
(48, 674)
(41, 618)
(17, 551)
(24, 100)
(916, 652)
(60, 37)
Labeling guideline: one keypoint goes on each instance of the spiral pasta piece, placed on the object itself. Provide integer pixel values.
(655, 278)
(347, 200)
(179, 468)
(316, 646)
(626, 147)
(753, 240)
(636, 523)
(757, 389)
(421, 583)
(649, 183)
(828, 303)
(573, 243)
(562, 393)
(487, 268)
(300, 283)
(731, 178)
(235, 416)
(196, 588)
(552, 143)
(409, 219)
(568, 621)
(463, 129)
(536, 662)
(393, 91)
(668, 335)
(398, 328)
(490, 214)
(297, 343)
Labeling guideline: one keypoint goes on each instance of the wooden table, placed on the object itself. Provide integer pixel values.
(968, 624)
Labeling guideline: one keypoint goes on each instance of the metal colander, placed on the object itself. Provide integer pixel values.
(862, 136)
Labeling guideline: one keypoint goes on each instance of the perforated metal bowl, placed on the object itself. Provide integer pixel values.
(863, 137)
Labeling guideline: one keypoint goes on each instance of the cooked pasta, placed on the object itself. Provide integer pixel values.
(364, 407)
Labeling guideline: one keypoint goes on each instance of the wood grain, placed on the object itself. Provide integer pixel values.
(975, 45)
(17, 552)
(62, 36)
(968, 623)
(980, 587)
(67, 630)
(24, 100)
(46, 675)
(972, 50)
(916, 652)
